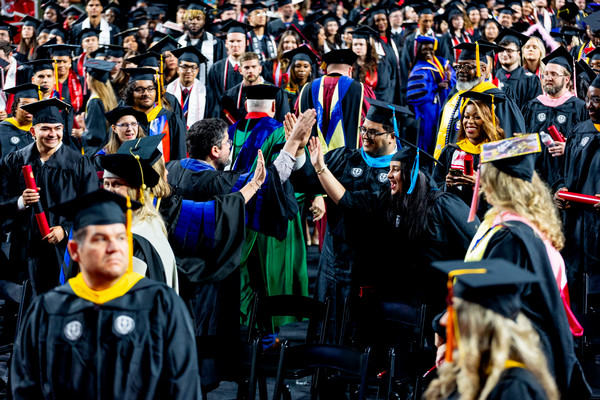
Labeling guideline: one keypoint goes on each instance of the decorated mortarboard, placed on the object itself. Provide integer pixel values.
(190, 54)
(25, 91)
(562, 57)
(364, 32)
(46, 111)
(261, 92)
(127, 32)
(568, 12)
(233, 26)
(512, 36)
(100, 207)
(340, 56)
(114, 115)
(73, 11)
(254, 6)
(60, 50)
(30, 21)
(148, 59)
(99, 69)
(513, 156)
(593, 21)
(40, 65)
(140, 74)
(167, 43)
(86, 33)
(303, 53)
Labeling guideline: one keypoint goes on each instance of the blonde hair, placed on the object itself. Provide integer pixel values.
(147, 211)
(105, 92)
(162, 189)
(491, 132)
(114, 143)
(542, 48)
(531, 200)
(487, 341)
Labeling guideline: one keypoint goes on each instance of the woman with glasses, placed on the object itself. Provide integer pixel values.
(459, 161)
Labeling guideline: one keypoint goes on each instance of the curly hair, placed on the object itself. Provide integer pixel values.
(531, 200)
(488, 130)
(203, 135)
(370, 64)
(487, 341)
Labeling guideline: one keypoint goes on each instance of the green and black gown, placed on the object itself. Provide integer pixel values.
(564, 117)
(13, 137)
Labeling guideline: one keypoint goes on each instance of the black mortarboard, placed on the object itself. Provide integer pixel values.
(46, 111)
(494, 283)
(190, 54)
(30, 21)
(55, 6)
(451, 12)
(487, 98)
(514, 156)
(328, 17)
(493, 21)
(172, 29)
(127, 33)
(506, 10)
(112, 5)
(26, 91)
(59, 50)
(148, 59)
(138, 12)
(140, 74)
(58, 30)
(254, 6)
(512, 36)
(568, 12)
(146, 148)
(313, 17)
(112, 50)
(409, 154)
(167, 43)
(596, 82)
(469, 50)
(12, 30)
(348, 24)
(594, 54)
(86, 33)
(100, 207)
(138, 22)
(99, 69)
(382, 113)
(560, 56)
(378, 9)
(226, 7)
(40, 65)
(73, 10)
(426, 8)
(410, 26)
(233, 26)
(115, 115)
(261, 92)
(561, 37)
(281, 3)
(340, 56)
(364, 32)
(154, 12)
(198, 5)
(157, 36)
(302, 52)
(593, 21)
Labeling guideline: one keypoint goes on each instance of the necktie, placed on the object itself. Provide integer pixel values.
(236, 67)
(184, 95)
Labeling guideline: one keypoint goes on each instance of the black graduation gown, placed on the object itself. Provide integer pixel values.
(277, 26)
(13, 138)
(581, 221)
(564, 117)
(63, 177)
(541, 303)
(69, 115)
(177, 133)
(72, 348)
(524, 86)
(217, 86)
(351, 107)
(265, 47)
(96, 133)
(230, 103)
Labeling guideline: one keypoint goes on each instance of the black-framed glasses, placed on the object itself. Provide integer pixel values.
(141, 90)
(188, 67)
(370, 133)
(464, 67)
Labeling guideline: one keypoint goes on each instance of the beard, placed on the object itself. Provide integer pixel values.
(221, 164)
(468, 85)
(552, 90)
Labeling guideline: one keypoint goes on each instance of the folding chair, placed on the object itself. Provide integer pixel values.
(302, 360)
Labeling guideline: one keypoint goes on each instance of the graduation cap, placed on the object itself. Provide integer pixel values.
(46, 111)
(382, 113)
(562, 57)
(99, 69)
(12, 30)
(138, 22)
(148, 59)
(60, 50)
(58, 30)
(165, 44)
(593, 21)
(138, 12)
(190, 54)
(513, 156)
(233, 26)
(340, 56)
(30, 21)
(561, 37)
(172, 29)
(100, 207)
(426, 8)
(112, 50)
(451, 12)
(140, 74)
(476, 51)
(328, 17)
(254, 6)
(378, 9)
(364, 32)
(506, 10)
(114, 6)
(40, 65)
(427, 39)
(227, 7)
(410, 154)
(594, 54)
(302, 52)
(73, 11)
(53, 5)
(25, 91)
(261, 92)
(146, 148)
(491, 99)
(512, 36)
(114, 115)
(568, 12)
(596, 82)
(154, 12)
(86, 33)
(494, 21)
(127, 33)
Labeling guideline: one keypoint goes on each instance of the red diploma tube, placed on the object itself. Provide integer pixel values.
(40, 215)
(579, 198)
(468, 164)
(556, 135)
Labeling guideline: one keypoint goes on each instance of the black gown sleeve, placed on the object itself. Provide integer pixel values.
(96, 134)
(177, 131)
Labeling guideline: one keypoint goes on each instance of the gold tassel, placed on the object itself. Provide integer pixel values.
(477, 59)
(56, 76)
(40, 95)
(129, 235)
(435, 44)
(493, 112)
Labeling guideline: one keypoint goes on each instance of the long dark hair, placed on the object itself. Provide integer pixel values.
(409, 213)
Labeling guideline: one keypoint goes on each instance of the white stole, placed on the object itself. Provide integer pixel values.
(104, 30)
(196, 100)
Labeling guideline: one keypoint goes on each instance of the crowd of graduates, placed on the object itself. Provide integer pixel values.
(394, 135)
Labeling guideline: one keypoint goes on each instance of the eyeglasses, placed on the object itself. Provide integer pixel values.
(370, 133)
(188, 67)
(141, 90)
(551, 75)
(229, 143)
(126, 126)
(464, 67)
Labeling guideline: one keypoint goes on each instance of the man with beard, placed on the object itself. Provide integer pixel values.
(209, 261)
(471, 73)
(234, 100)
(557, 107)
(226, 73)
(212, 48)
(521, 85)
(261, 42)
(288, 17)
(141, 94)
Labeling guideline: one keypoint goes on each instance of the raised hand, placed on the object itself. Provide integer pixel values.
(316, 153)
